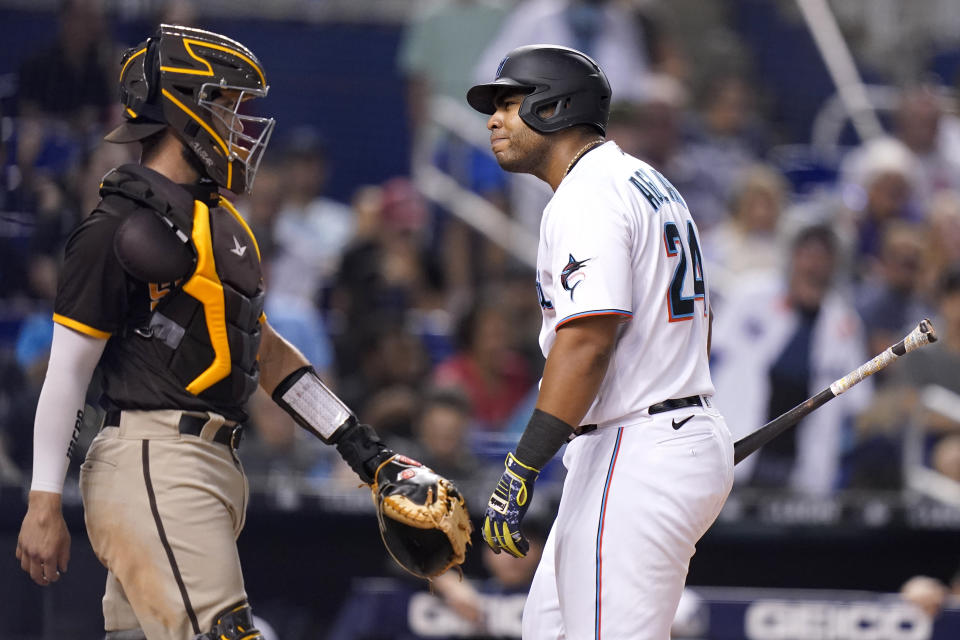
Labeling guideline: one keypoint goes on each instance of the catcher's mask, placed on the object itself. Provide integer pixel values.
(177, 78)
(551, 76)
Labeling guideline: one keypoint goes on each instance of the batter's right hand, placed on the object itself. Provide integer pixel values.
(507, 506)
(43, 547)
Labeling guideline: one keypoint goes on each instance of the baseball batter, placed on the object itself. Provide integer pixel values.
(625, 333)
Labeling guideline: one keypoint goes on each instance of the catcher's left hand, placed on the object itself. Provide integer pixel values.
(423, 518)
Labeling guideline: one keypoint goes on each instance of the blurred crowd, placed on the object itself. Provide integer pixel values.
(816, 259)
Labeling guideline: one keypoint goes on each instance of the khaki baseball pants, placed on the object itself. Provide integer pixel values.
(163, 512)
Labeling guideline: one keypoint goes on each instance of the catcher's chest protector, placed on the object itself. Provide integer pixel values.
(206, 317)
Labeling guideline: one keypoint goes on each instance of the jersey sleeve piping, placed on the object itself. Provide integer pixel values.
(601, 312)
(79, 326)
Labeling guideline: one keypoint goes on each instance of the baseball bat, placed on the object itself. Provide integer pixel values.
(921, 335)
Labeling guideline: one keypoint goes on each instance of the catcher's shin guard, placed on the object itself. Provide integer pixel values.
(233, 623)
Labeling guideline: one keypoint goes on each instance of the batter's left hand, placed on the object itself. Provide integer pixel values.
(507, 506)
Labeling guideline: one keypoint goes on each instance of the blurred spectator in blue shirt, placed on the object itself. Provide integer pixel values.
(311, 231)
(440, 431)
(888, 299)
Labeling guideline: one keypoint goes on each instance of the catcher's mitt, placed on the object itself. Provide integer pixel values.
(423, 519)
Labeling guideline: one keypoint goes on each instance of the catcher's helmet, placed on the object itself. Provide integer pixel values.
(174, 78)
(552, 76)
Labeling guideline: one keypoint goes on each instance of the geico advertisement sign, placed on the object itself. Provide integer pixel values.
(779, 620)
(429, 617)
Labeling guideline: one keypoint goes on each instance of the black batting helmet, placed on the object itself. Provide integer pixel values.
(552, 76)
(174, 78)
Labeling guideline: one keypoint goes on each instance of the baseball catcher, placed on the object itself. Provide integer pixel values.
(423, 518)
(162, 293)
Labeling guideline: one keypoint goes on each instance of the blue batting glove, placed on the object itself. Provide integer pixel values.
(507, 506)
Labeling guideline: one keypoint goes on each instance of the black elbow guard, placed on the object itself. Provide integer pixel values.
(313, 405)
(322, 413)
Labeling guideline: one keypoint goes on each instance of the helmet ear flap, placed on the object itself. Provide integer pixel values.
(140, 78)
(151, 69)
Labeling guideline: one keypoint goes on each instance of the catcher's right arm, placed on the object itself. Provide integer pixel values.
(422, 516)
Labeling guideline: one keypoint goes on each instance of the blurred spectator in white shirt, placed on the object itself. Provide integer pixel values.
(748, 241)
(777, 342)
(888, 299)
(923, 125)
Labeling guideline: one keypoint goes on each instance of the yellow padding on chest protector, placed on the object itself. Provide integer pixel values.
(226, 204)
(206, 287)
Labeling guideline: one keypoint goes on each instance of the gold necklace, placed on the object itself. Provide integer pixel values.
(583, 150)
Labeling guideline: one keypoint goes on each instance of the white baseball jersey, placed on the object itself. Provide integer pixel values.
(617, 239)
(641, 489)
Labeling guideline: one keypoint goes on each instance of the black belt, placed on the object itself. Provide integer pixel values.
(677, 403)
(660, 407)
(229, 435)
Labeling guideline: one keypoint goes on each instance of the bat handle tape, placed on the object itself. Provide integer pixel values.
(922, 334)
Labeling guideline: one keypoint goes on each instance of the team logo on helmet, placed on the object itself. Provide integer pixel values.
(500, 68)
(571, 276)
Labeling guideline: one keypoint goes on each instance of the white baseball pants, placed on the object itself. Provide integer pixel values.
(635, 502)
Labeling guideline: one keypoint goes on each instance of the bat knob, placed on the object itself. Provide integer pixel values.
(926, 327)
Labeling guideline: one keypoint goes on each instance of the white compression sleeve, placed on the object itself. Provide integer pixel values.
(73, 357)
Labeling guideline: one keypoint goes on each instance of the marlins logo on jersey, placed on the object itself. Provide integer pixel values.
(571, 275)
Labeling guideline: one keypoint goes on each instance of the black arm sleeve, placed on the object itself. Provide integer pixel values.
(542, 438)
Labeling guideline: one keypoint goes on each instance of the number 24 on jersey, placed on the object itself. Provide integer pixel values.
(658, 191)
(679, 306)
